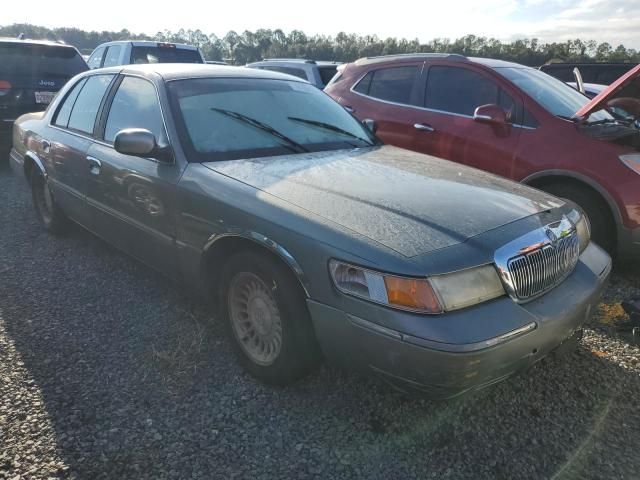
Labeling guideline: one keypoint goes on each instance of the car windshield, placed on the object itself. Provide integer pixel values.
(231, 118)
(37, 60)
(553, 95)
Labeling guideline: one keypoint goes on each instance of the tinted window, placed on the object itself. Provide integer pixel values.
(95, 60)
(458, 90)
(62, 117)
(164, 55)
(112, 57)
(363, 85)
(327, 73)
(43, 61)
(83, 115)
(223, 119)
(296, 72)
(393, 84)
(135, 105)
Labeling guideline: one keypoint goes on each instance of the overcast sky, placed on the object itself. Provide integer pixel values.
(613, 21)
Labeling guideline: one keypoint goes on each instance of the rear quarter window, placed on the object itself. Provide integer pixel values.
(394, 84)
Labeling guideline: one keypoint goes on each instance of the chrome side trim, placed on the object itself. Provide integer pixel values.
(34, 157)
(440, 346)
(272, 246)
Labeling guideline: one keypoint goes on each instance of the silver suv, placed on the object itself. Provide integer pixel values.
(317, 73)
(125, 52)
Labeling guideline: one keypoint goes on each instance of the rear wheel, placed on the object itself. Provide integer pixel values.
(267, 319)
(48, 211)
(603, 228)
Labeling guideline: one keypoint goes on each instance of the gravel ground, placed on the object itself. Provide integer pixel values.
(108, 371)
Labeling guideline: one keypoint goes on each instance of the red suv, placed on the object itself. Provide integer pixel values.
(514, 121)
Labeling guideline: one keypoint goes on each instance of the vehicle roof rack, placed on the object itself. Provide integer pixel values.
(301, 60)
(410, 56)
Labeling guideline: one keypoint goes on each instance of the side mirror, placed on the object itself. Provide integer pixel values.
(370, 124)
(135, 141)
(139, 142)
(491, 115)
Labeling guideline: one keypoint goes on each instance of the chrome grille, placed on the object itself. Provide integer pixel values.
(536, 272)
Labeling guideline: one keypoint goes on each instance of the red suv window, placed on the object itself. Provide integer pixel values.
(391, 84)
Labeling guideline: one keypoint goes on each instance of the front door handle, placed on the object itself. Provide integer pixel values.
(46, 145)
(349, 108)
(94, 165)
(424, 127)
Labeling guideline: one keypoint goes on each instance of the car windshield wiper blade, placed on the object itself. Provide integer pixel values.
(292, 144)
(328, 126)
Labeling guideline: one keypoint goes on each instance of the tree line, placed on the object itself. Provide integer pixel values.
(245, 47)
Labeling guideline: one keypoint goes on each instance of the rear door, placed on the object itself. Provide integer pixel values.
(132, 199)
(31, 75)
(390, 96)
(446, 124)
(72, 130)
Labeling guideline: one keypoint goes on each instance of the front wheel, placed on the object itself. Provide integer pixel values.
(48, 211)
(268, 320)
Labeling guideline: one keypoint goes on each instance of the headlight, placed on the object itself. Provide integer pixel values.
(632, 161)
(424, 295)
(583, 228)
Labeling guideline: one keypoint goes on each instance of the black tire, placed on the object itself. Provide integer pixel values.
(48, 211)
(298, 352)
(603, 228)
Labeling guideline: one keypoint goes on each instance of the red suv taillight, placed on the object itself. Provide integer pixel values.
(4, 87)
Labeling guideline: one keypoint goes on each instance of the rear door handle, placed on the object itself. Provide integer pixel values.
(424, 127)
(349, 108)
(94, 165)
(46, 145)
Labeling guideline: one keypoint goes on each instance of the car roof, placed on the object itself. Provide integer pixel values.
(49, 43)
(177, 71)
(320, 63)
(488, 62)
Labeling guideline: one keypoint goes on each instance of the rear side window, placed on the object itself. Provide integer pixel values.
(62, 117)
(363, 85)
(458, 90)
(112, 58)
(135, 105)
(326, 74)
(85, 108)
(41, 61)
(165, 54)
(95, 60)
(393, 84)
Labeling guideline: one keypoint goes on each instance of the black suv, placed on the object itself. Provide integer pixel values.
(602, 72)
(31, 73)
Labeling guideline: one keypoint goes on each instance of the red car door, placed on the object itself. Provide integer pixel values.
(391, 96)
(447, 126)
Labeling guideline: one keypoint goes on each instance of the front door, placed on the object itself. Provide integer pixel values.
(133, 198)
(448, 129)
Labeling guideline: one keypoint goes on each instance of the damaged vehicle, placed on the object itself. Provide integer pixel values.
(513, 121)
(260, 192)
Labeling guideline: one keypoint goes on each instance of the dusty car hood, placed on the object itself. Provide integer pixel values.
(406, 201)
(619, 88)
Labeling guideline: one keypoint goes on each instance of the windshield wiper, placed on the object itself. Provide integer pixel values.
(330, 127)
(291, 144)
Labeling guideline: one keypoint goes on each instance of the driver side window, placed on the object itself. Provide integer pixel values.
(135, 105)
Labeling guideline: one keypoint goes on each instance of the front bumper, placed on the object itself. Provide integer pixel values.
(446, 369)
